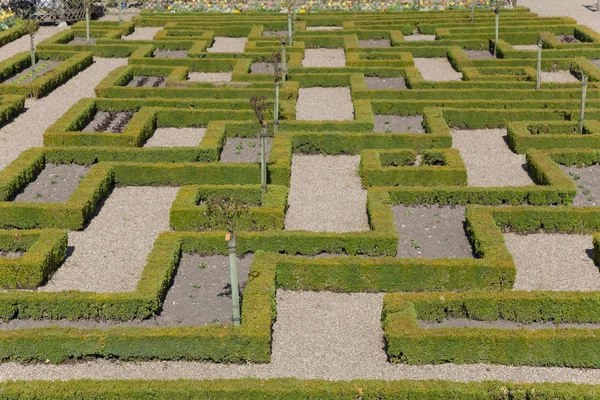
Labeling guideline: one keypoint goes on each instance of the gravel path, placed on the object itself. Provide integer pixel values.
(228, 45)
(324, 58)
(417, 37)
(109, 255)
(326, 195)
(23, 43)
(323, 28)
(489, 160)
(142, 33)
(324, 104)
(176, 137)
(548, 261)
(317, 335)
(558, 76)
(525, 47)
(437, 69)
(27, 129)
(559, 8)
(209, 77)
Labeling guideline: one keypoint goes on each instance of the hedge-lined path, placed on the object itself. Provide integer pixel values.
(488, 159)
(550, 261)
(142, 33)
(350, 323)
(23, 43)
(437, 69)
(109, 255)
(326, 195)
(27, 129)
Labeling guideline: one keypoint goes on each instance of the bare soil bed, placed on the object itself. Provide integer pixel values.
(141, 33)
(228, 45)
(275, 33)
(78, 40)
(588, 185)
(374, 43)
(399, 123)
(324, 104)
(479, 54)
(567, 39)
(109, 121)
(11, 254)
(200, 295)
(54, 184)
(525, 47)
(552, 261)
(25, 76)
(595, 61)
(559, 77)
(417, 37)
(323, 28)
(209, 77)
(176, 137)
(437, 69)
(324, 58)
(488, 159)
(168, 53)
(385, 83)
(261, 68)
(239, 150)
(500, 324)
(147, 81)
(431, 232)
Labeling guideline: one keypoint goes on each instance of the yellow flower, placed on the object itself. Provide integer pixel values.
(302, 11)
(236, 11)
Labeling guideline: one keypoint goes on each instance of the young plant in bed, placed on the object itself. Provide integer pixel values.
(229, 213)
(31, 26)
(283, 40)
(259, 104)
(275, 61)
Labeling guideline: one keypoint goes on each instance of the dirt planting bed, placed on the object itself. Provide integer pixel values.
(168, 53)
(238, 150)
(479, 54)
(261, 68)
(437, 69)
(323, 28)
(431, 232)
(79, 40)
(147, 81)
(399, 123)
(374, 43)
(25, 76)
(209, 77)
(588, 185)
(417, 37)
(228, 45)
(11, 254)
(141, 33)
(500, 324)
(54, 184)
(324, 104)
(385, 83)
(176, 137)
(109, 121)
(567, 39)
(324, 58)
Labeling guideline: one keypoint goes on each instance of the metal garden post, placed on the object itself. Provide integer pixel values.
(584, 82)
(88, 5)
(263, 160)
(31, 26)
(284, 59)
(539, 65)
(497, 12)
(235, 292)
(276, 109)
(290, 31)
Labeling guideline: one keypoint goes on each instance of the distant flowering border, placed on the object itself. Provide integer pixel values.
(316, 6)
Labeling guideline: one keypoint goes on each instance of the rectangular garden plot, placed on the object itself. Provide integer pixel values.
(147, 81)
(375, 83)
(168, 53)
(324, 104)
(54, 184)
(587, 180)
(228, 45)
(176, 137)
(431, 232)
(238, 150)
(399, 123)
(324, 58)
(109, 121)
(437, 69)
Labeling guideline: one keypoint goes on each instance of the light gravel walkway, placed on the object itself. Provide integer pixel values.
(317, 336)
(326, 195)
(525, 47)
(27, 129)
(488, 159)
(176, 137)
(109, 255)
(323, 28)
(437, 69)
(228, 45)
(324, 104)
(550, 261)
(558, 76)
(142, 33)
(324, 58)
(560, 8)
(23, 44)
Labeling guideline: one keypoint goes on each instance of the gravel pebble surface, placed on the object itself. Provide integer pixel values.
(326, 195)
(211, 77)
(437, 69)
(261, 68)
(417, 37)
(79, 40)
(385, 83)
(553, 261)
(142, 33)
(11, 254)
(558, 76)
(374, 43)
(228, 45)
(27, 129)
(324, 104)
(168, 53)
(576, 9)
(324, 58)
(587, 180)
(488, 159)
(23, 43)
(399, 123)
(525, 47)
(317, 335)
(176, 137)
(54, 184)
(109, 255)
(323, 28)
(595, 61)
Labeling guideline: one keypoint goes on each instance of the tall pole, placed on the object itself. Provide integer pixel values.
(539, 65)
(497, 11)
(33, 73)
(290, 31)
(584, 82)
(235, 291)
(87, 23)
(284, 58)
(263, 160)
(276, 110)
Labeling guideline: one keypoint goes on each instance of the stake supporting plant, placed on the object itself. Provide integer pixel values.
(584, 82)
(235, 290)
(260, 105)
(284, 60)
(88, 5)
(275, 61)
(31, 26)
(539, 65)
(497, 18)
